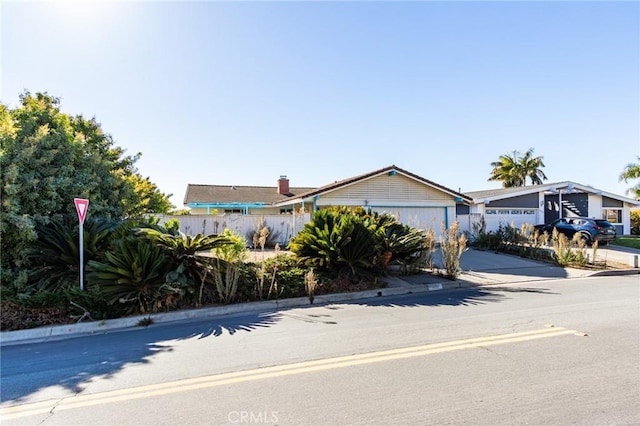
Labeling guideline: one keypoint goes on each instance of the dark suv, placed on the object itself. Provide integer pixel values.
(588, 228)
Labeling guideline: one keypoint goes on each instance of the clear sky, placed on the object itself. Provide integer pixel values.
(239, 93)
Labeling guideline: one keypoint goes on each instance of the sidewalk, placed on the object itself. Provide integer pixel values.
(480, 268)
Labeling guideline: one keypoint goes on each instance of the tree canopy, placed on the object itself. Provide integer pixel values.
(632, 172)
(515, 168)
(48, 158)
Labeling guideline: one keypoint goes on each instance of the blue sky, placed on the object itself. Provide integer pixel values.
(240, 93)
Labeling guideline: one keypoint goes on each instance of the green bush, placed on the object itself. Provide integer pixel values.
(337, 242)
(54, 258)
(289, 275)
(134, 275)
(635, 222)
(189, 269)
(234, 251)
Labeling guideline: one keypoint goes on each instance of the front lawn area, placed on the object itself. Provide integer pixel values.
(627, 241)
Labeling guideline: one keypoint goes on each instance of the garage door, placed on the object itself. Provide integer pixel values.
(506, 217)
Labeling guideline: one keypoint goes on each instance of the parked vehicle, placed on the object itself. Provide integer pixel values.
(589, 229)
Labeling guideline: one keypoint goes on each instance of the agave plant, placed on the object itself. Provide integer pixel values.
(134, 273)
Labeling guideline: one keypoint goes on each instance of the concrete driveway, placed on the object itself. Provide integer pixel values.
(487, 267)
(619, 255)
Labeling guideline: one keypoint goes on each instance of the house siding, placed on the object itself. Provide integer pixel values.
(381, 190)
(529, 201)
(610, 202)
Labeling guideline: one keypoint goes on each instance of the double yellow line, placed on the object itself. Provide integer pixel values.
(177, 386)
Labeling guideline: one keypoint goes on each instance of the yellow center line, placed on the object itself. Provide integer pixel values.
(184, 385)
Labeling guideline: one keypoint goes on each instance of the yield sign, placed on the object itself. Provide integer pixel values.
(81, 207)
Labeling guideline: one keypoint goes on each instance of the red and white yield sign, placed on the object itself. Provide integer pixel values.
(82, 206)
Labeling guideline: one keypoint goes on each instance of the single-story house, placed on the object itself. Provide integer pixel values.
(538, 204)
(416, 201)
(251, 200)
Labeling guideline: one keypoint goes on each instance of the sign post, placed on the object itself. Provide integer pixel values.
(82, 206)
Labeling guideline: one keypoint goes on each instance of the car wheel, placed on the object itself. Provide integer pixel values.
(586, 238)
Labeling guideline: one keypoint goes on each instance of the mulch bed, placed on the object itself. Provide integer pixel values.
(14, 317)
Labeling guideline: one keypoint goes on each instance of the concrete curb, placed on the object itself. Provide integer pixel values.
(397, 287)
(614, 272)
(67, 331)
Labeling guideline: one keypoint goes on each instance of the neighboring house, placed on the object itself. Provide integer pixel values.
(416, 201)
(220, 199)
(540, 204)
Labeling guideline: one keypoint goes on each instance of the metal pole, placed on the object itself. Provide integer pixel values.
(560, 203)
(81, 250)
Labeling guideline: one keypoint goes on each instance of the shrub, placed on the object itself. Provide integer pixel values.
(260, 230)
(452, 245)
(134, 275)
(337, 242)
(189, 269)
(225, 277)
(533, 242)
(54, 259)
(63, 306)
(580, 250)
(310, 283)
(635, 222)
(236, 249)
(289, 280)
(562, 250)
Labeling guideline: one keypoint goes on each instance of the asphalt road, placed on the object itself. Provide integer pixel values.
(553, 352)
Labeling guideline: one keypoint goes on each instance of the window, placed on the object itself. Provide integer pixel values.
(491, 211)
(612, 215)
(229, 211)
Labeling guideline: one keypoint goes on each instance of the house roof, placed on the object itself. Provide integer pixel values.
(501, 193)
(350, 181)
(229, 194)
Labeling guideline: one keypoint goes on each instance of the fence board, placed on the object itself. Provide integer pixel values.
(283, 226)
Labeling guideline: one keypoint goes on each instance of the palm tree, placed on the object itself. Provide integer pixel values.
(506, 170)
(530, 167)
(514, 169)
(630, 172)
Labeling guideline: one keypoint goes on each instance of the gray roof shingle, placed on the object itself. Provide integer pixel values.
(237, 194)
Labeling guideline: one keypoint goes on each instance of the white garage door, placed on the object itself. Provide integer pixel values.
(417, 217)
(507, 217)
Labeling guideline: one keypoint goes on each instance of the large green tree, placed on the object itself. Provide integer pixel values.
(47, 158)
(514, 169)
(632, 172)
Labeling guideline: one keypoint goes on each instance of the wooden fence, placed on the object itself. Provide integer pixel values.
(281, 226)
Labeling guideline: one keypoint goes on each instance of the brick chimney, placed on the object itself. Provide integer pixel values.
(283, 185)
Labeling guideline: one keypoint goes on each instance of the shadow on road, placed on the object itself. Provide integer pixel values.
(457, 297)
(72, 363)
